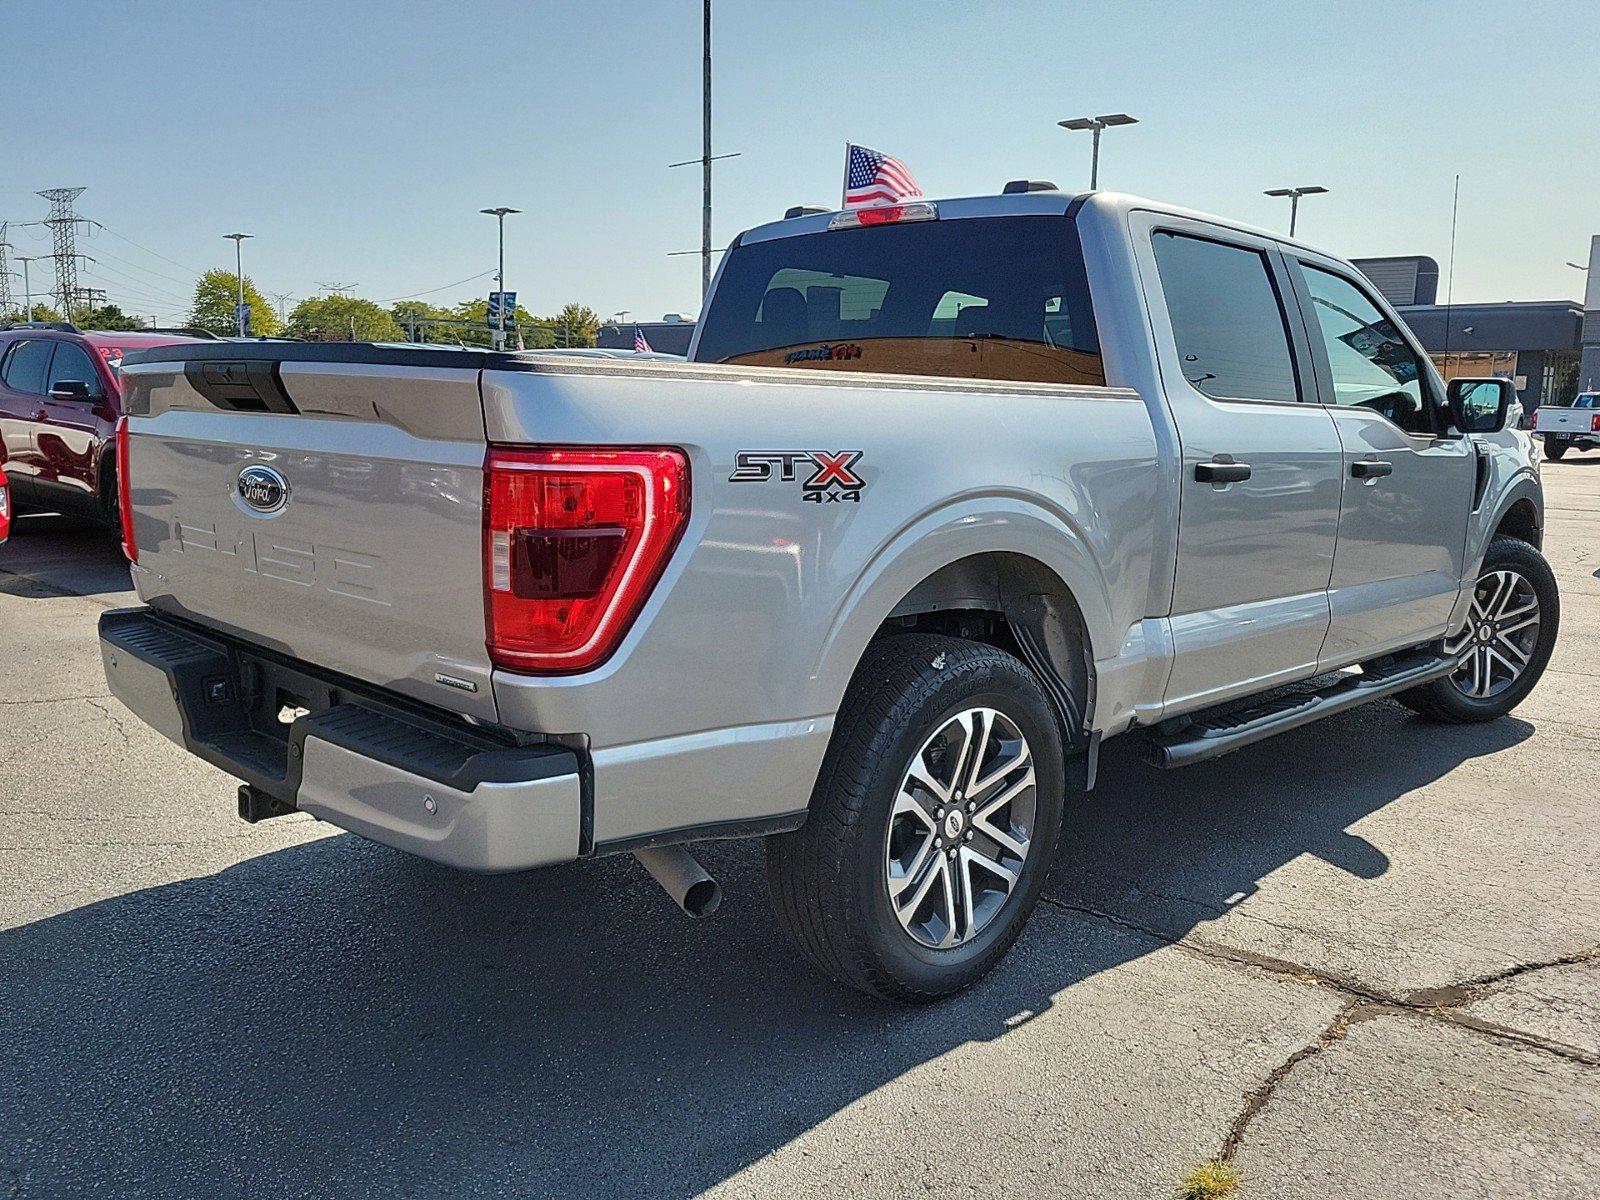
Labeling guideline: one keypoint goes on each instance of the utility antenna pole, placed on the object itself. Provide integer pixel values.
(282, 298)
(63, 223)
(27, 285)
(706, 157)
(5, 272)
(336, 289)
(1450, 282)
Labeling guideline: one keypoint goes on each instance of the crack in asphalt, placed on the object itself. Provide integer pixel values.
(1440, 1003)
(1363, 1002)
(1256, 1099)
(115, 719)
(58, 699)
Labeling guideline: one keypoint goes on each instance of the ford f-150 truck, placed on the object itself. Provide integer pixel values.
(948, 492)
(1575, 426)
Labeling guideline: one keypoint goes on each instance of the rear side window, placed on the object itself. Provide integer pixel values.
(983, 298)
(1227, 319)
(72, 363)
(28, 366)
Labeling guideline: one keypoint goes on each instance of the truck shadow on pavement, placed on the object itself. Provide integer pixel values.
(50, 555)
(338, 1019)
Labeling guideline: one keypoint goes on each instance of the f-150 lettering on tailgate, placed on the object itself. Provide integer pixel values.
(341, 572)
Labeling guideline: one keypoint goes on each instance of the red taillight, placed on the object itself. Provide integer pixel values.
(5, 506)
(573, 541)
(125, 492)
(1594, 423)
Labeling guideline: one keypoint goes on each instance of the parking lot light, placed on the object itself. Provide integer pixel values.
(1095, 125)
(1294, 195)
(238, 271)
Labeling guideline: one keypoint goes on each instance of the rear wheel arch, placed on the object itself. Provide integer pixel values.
(1021, 605)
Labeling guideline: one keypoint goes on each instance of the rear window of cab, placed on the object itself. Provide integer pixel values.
(977, 298)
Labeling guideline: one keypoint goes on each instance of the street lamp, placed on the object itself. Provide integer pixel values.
(500, 214)
(238, 271)
(1294, 195)
(1096, 124)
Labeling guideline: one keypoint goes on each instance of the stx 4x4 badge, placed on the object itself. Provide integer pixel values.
(830, 474)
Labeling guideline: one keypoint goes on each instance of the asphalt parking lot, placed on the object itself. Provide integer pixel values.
(1362, 959)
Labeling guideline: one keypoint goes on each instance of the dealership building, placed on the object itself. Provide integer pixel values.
(1550, 348)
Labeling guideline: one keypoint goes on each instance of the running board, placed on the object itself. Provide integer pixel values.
(1211, 732)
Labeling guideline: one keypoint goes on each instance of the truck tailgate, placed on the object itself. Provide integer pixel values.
(1553, 419)
(327, 510)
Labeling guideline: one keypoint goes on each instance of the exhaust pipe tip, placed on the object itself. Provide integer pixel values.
(684, 879)
(702, 899)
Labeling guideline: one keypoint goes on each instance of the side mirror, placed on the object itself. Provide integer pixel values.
(1480, 405)
(69, 389)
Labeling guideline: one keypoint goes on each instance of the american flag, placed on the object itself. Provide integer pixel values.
(640, 346)
(872, 177)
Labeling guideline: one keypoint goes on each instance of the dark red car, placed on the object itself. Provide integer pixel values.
(60, 397)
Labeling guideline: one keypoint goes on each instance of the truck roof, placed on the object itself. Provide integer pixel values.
(1041, 203)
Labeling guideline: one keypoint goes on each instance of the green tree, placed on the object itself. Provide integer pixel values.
(535, 333)
(39, 312)
(107, 316)
(214, 298)
(575, 325)
(343, 319)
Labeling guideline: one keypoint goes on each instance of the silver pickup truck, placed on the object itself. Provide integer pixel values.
(947, 493)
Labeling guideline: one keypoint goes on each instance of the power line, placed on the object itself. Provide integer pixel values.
(431, 291)
(104, 253)
(154, 254)
(143, 284)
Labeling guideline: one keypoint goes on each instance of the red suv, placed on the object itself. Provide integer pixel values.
(60, 397)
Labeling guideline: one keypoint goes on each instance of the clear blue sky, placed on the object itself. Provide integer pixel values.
(358, 140)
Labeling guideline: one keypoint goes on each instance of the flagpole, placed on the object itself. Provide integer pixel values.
(844, 180)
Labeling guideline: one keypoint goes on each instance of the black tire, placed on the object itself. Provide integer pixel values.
(1443, 700)
(1554, 450)
(828, 878)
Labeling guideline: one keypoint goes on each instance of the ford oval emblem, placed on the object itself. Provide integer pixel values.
(263, 489)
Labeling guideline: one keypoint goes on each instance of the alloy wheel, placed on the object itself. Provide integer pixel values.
(961, 828)
(1500, 638)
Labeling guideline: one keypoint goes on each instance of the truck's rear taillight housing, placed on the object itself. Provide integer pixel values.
(574, 539)
(1594, 423)
(125, 492)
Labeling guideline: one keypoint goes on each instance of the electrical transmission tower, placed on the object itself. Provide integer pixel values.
(5, 272)
(63, 223)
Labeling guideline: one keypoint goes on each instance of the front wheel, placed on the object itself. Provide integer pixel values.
(933, 823)
(1516, 611)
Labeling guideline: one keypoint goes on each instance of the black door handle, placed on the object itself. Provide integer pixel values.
(1371, 468)
(1221, 472)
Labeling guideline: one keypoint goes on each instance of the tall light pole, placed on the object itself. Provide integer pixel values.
(238, 272)
(1096, 125)
(1294, 195)
(500, 214)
